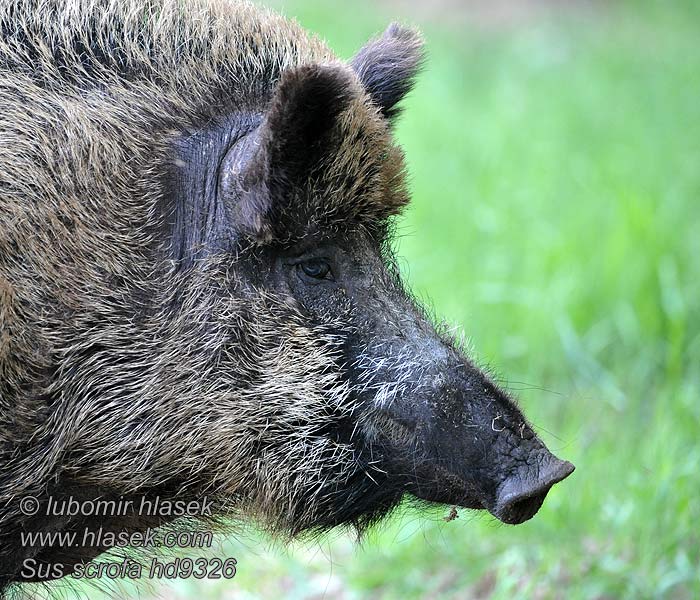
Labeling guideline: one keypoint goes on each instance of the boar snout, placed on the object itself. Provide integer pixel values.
(520, 496)
(457, 437)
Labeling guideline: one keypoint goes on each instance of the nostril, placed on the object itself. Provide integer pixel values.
(519, 509)
(520, 497)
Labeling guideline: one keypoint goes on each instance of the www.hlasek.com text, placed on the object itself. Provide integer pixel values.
(107, 539)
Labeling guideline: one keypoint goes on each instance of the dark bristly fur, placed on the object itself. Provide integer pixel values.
(197, 292)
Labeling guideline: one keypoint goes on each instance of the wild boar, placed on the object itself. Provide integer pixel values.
(198, 294)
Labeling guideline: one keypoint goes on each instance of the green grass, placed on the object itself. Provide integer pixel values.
(555, 167)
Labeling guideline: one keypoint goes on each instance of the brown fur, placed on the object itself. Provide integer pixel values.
(96, 397)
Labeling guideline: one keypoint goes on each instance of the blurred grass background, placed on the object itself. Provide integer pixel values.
(554, 152)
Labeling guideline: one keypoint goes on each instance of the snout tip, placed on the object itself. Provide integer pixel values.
(520, 497)
(565, 470)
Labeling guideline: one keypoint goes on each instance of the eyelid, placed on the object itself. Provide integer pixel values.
(306, 257)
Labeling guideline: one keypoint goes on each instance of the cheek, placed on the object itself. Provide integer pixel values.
(325, 304)
(255, 273)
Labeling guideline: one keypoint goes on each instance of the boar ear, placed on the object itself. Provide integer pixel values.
(388, 65)
(262, 172)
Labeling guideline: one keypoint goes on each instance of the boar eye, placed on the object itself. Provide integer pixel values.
(316, 269)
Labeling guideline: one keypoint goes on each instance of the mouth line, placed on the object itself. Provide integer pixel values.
(444, 487)
(459, 492)
(512, 501)
(465, 489)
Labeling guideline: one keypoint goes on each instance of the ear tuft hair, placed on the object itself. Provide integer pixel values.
(387, 66)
